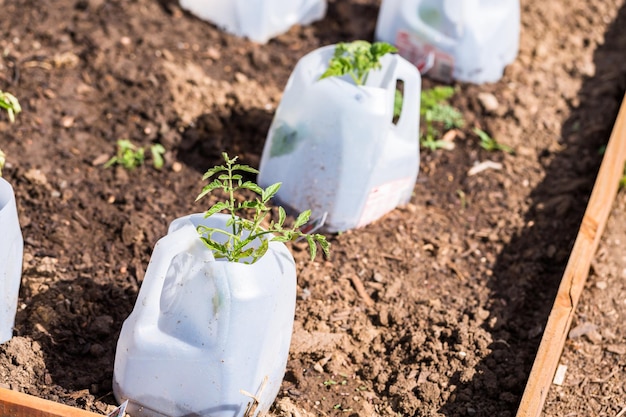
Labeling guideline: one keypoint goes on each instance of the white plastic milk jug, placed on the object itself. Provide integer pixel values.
(204, 335)
(466, 40)
(11, 254)
(259, 20)
(334, 145)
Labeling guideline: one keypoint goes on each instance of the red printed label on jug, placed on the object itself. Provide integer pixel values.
(385, 198)
(425, 56)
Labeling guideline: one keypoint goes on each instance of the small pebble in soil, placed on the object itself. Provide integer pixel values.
(489, 102)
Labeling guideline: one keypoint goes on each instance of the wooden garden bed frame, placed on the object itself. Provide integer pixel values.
(576, 271)
(16, 404)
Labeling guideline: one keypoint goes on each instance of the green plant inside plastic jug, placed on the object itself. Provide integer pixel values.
(237, 243)
(357, 59)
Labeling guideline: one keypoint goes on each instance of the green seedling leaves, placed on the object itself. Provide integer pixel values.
(131, 156)
(157, 151)
(282, 216)
(437, 116)
(12, 106)
(303, 218)
(435, 96)
(490, 144)
(357, 59)
(10, 103)
(241, 233)
(270, 192)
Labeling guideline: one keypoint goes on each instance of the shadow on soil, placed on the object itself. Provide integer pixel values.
(75, 314)
(528, 271)
(242, 132)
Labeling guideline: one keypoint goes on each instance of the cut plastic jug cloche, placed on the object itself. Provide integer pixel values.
(466, 40)
(258, 20)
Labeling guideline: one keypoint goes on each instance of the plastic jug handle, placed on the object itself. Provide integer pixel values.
(410, 113)
(165, 250)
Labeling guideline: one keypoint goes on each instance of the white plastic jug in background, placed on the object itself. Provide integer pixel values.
(467, 40)
(334, 145)
(204, 330)
(11, 254)
(258, 20)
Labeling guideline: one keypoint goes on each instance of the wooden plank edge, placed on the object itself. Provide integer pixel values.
(17, 404)
(576, 271)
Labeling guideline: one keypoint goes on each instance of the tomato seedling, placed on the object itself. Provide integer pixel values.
(131, 156)
(243, 232)
(436, 113)
(357, 59)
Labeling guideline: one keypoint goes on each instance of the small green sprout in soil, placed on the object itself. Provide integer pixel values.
(622, 181)
(437, 116)
(357, 59)
(243, 231)
(11, 105)
(131, 156)
(490, 144)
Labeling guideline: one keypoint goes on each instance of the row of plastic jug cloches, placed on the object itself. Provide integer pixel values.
(465, 40)
(339, 149)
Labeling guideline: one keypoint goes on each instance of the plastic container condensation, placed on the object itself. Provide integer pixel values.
(466, 40)
(335, 147)
(258, 20)
(11, 254)
(204, 330)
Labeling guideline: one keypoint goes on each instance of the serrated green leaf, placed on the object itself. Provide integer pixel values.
(357, 59)
(282, 215)
(302, 219)
(250, 204)
(380, 49)
(245, 168)
(212, 171)
(281, 238)
(324, 244)
(244, 253)
(220, 250)
(249, 185)
(208, 188)
(312, 246)
(261, 250)
(217, 207)
(270, 192)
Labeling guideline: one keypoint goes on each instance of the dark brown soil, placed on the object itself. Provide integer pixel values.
(462, 278)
